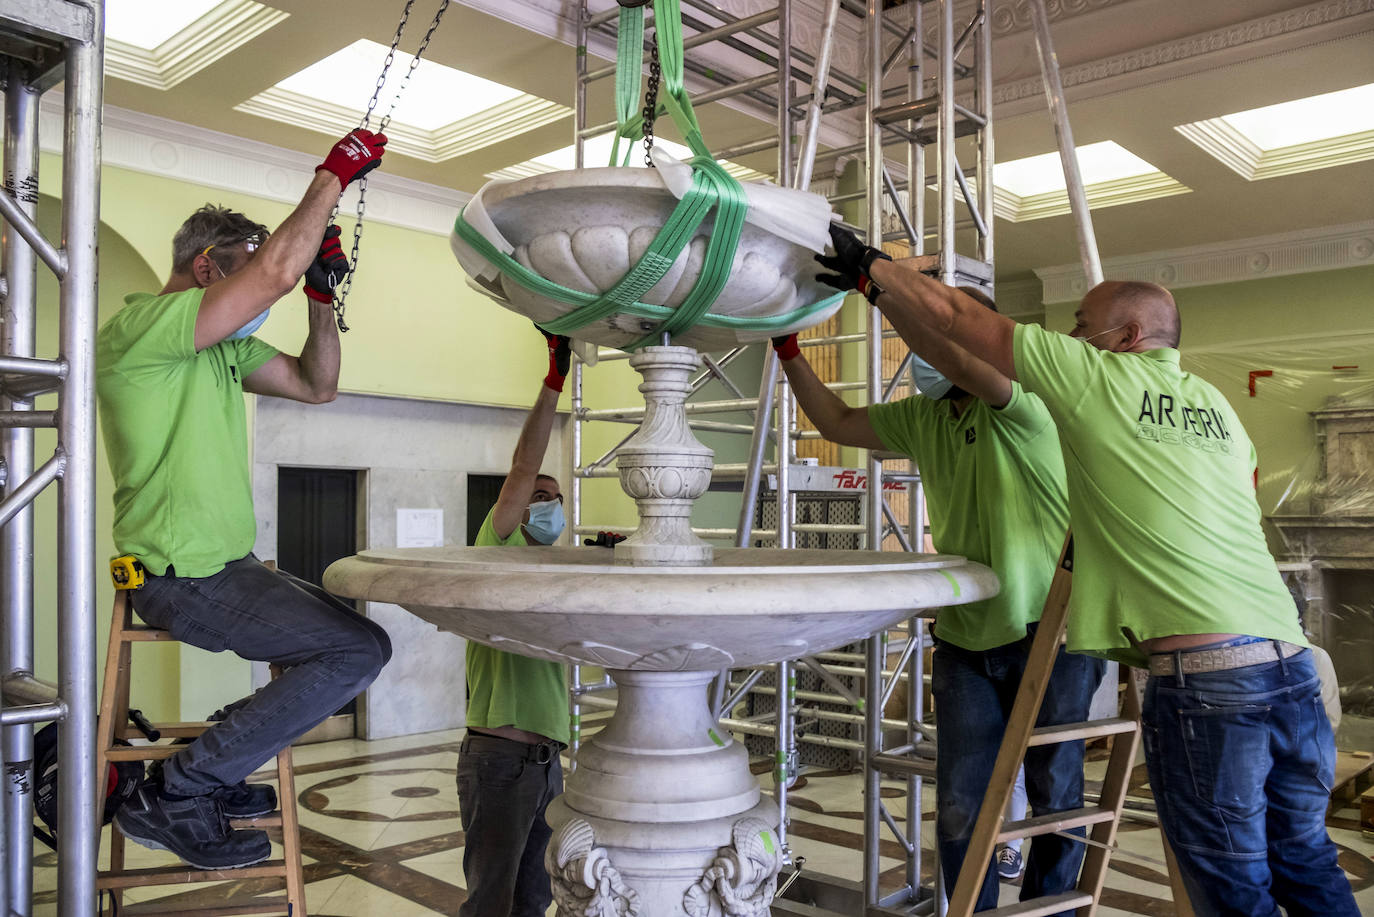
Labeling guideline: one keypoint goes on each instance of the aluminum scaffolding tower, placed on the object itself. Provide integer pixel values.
(45, 43)
(928, 83)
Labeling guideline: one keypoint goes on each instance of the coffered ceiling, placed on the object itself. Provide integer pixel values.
(1134, 72)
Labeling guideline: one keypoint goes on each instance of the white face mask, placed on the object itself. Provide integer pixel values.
(1089, 338)
(929, 382)
(546, 521)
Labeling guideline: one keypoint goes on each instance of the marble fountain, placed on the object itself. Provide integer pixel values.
(662, 816)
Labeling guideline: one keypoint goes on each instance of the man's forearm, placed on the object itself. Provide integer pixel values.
(294, 244)
(923, 305)
(534, 435)
(319, 357)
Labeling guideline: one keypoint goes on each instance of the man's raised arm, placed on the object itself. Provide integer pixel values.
(836, 421)
(515, 493)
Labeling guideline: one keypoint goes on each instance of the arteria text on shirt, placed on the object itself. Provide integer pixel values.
(1164, 421)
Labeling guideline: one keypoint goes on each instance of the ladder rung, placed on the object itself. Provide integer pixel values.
(1035, 907)
(1055, 821)
(142, 752)
(904, 766)
(169, 730)
(1071, 732)
(155, 908)
(180, 874)
(270, 820)
(144, 634)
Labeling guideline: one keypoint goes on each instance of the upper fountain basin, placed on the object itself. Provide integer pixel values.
(752, 606)
(584, 229)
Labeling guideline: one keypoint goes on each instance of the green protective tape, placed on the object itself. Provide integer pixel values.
(954, 583)
(715, 737)
(767, 837)
(576, 718)
(859, 705)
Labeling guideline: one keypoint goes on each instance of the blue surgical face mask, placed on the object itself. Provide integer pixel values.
(546, 521)
(928, 381)
(253, 325)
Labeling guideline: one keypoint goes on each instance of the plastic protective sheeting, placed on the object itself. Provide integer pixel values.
(1309, 410)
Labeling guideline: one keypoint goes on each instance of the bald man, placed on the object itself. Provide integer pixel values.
(1172, 572)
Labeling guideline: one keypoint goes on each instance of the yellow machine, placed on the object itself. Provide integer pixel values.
(127, 572)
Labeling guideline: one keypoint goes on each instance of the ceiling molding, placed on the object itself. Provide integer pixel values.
(180, 152)
(1306, 25)
(1236, 151)
(1014, 16)
(500, 122)
(221, 31)
(1306, 251)
(1020, 209)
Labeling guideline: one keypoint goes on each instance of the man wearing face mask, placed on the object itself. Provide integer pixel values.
(517, 717)
(994, 483)
(171, 370)
(1171, 573)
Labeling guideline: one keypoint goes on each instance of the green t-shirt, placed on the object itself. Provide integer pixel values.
(994, 484)
(176, 435)
(505, 689)
(1167, 536)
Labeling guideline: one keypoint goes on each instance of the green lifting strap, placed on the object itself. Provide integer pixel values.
(712, 188)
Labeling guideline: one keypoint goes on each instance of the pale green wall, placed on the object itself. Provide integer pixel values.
(1297, 326)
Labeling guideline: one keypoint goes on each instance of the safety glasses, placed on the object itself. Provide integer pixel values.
(250, 241)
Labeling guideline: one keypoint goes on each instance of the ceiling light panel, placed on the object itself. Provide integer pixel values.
(597, 152)
(1318, 132)
(148, 23)
(1033, 188)
(443, 112)
(159, 43)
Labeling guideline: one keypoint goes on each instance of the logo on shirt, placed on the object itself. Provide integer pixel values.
(1163, 420)
(970, 436)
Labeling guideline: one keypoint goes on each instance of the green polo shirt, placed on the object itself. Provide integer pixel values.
(1167, 536)
(505, 689)
(176, 435)
(994, 484)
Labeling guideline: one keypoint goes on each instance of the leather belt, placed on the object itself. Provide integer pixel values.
(534, 752)
(1195, 662)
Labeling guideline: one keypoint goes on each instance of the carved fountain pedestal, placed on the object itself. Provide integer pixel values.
(662, 816)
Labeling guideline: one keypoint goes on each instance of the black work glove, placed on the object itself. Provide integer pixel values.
(328, 269)
(851, 261)
(560, 359)
(604, 540)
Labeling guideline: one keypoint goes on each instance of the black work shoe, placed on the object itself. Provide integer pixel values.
(193, 828)
(246, 800)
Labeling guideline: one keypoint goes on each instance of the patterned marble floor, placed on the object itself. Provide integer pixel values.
(381, 835)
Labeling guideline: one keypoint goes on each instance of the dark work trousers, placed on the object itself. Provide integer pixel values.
(504, 787)
(973, 694)
(328, 654)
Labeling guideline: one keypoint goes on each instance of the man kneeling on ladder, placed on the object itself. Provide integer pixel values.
(1171, 572)
(994, 481)
(508, 767)
(171, 372)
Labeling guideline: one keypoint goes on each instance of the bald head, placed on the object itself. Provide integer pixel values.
(1128, 316)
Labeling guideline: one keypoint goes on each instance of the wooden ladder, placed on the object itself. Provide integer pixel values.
(1101, 819)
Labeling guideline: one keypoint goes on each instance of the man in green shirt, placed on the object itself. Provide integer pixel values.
(517, 718)
(993, 477)
(171, 372)
(1171, 571)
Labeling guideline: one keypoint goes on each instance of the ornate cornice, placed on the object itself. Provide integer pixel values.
(1307, 251)
(171, 149)
(223, 29)
(1205, 50)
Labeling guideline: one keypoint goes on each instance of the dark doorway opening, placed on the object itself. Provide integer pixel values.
(317, 523)
(483, 489)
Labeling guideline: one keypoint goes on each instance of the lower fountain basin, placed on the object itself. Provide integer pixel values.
(750, 607)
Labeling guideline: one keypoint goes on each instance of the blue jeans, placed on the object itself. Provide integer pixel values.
(328, 653)
(504, 789)
(1242, 763)
(973, 694)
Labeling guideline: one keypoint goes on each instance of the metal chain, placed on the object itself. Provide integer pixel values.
(651, 103)
(341, 293)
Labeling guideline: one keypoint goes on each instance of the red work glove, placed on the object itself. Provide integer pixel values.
(356, 154)
(560, 359)
(328, 269)
(787, 347)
